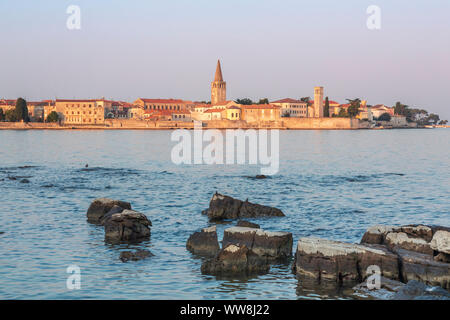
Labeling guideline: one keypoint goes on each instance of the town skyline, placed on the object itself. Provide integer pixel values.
(272, 54)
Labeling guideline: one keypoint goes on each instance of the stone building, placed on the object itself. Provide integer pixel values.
(318, 102)
(82, 111)
(260, 112)
(218, 87)
(292, 108)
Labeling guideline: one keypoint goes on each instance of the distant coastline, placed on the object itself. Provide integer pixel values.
(286, 124)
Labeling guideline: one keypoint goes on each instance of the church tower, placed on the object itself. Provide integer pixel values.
(218, 87)
(318, 102)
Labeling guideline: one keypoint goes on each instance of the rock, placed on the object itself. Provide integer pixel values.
(409, 237)
(415, 290)
(422, 267)
(260, 176)
(441, 242)
(272, 245)
(99, 207)
(247, 224)
(225, 207)
(235, 259)
(12, 178)
(129, 225)
(24, 181)
(442, 257)
(114, 209)
(376, 234)
(135, 256)
(395, 290)
(342, 262)
(204, 242)
(401, 239)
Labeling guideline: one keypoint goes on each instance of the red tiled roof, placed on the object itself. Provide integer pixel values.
(288, 100)
(163, 100)
(213, 110)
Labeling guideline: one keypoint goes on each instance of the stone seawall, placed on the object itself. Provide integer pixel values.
(131, 124)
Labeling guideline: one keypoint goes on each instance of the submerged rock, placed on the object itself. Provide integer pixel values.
(395, 290)
(135, 256)
(225, 207)
(128, 225)
(99, 207)
(235, 259)
(342, 262)
(24, 181)
(247, 224)
(204, 242)
(271, 245)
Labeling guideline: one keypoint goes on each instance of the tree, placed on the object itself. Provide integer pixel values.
(244, 101)
(22, 110)
(443, 122)
(342, 113)
(53, 117)
(2, 116)
(286, 115)
(384, 117)
(305, 99)
(353, 109)
(263, 101)
(10, 115)
(326, 108)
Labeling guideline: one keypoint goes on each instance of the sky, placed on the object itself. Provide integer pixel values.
(126, 49)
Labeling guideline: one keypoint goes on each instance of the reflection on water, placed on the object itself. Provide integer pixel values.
(331, 184)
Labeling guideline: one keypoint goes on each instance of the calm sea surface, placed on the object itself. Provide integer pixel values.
(331, 184)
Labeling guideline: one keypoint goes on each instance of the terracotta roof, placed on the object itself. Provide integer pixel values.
(164, 100)
(79, 100)
(218, 75)
(288, 100)
(213, 110)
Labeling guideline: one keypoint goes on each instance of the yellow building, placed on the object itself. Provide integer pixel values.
(82, 111)
(260, 112)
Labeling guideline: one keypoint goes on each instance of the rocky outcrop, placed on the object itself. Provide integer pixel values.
(441, 245)
(128, 225)
(204, 242)
(135, 256)
(405, 253)
(235, 259)
(224, 207)
(100, 207)
(247, 224)
(395, 290)
(342, 262)
(271, 245)
(422, 267)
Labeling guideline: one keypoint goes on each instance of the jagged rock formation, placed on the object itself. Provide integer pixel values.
(271, 245)
(235, 259)
(204, 242)
(413, 252)
(128, 225)
(101, 206)
(247, 224)
(135, 256)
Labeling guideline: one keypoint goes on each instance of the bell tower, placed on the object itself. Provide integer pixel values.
(218, 87)
(318, 102)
